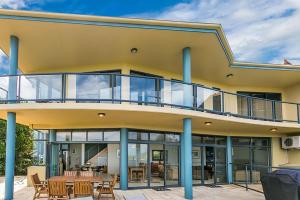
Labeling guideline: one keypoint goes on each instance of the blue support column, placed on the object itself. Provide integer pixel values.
(124, 159)
(54, 153)
(229, 159)
(187, 126)
(188, 180)
(11, 121)
(182, 160)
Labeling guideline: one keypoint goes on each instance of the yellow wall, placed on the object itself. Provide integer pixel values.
(279, 155)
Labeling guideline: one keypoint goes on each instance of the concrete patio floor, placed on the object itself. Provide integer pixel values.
(226, 192)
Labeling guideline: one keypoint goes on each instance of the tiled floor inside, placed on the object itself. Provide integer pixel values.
(226, 192)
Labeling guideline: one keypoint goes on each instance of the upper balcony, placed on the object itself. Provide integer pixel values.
(140, 90)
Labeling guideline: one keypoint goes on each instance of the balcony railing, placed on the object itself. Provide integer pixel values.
(141, 90)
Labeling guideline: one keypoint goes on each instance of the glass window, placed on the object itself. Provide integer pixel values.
(157, 137)
(137, 165)
(260, 141)
(40, 134)
(111, 135)
(208, 140)
(221, 140)
(78, 135)
(63, 136)
(240, 141)
(95, 135)
(39, 152)
(197, 139)
(132, 135)
(172, 138)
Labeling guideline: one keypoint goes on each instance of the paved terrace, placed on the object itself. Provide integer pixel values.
(226, 192)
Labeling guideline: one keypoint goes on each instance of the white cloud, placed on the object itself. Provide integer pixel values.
(13, 4)
(258, 31)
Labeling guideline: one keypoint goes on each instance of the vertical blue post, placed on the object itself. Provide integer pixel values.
(54, 153)
(11, 121)
(182, 160)
(124, 159)
(188, 180)
(229, 159)
(187, 126)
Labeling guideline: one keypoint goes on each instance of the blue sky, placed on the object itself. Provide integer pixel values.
(264, 31)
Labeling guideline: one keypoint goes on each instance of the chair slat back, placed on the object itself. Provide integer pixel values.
(70, 173)
(35, 180)
(114, 181)
(83, 188)
(86, 173)
(57, 188)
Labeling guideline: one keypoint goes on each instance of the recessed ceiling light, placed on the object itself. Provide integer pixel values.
(207, 123)
(273, 129)
(134, 50)
(101, 115)
(229, 75)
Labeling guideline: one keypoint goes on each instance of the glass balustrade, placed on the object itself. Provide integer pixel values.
(116, 88)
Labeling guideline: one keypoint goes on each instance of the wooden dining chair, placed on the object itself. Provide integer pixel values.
(107, 187)
(83, 188)
(70, 173)
(57, 189)
(40, 187)
(87, 173)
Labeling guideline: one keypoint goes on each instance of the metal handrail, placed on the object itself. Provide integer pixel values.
(194, 103)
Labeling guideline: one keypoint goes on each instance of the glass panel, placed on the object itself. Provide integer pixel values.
(221, 140)
(95, 135)
(157, 137)
(172, 165)
(240, 157)
(172, 138)
(63, 136)
(262, 109)
(41, 87)
(220, 165)
(289, 112)
(208, 99)
(196, 165)
(93, 87)
(278, 111)
(242, 103)
(78, 135)
(157, 155)
(240, 141)
(261, 159)
(143, 89)
(209, 165)
(4, 88)
(111, 135)
(132, 135)
(179, 94)
(137, 165)
(196, 139)
(260, 141)
(40, 134)
(208, 140)
(39, 152)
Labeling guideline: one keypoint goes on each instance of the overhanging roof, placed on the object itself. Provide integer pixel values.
(61, 42)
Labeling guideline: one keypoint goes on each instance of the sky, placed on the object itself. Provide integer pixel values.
(261, 31)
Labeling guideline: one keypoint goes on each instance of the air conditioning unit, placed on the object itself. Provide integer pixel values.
(290, 142)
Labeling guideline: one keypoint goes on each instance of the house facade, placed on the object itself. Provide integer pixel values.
(159, 103)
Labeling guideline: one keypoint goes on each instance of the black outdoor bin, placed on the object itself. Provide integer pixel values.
(281, 185)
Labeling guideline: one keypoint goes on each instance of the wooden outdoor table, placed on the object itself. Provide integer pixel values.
(71, 179)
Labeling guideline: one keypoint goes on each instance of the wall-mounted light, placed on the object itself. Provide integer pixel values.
(273, 129)
(101, 115)
(229, 75)
(134, 50)
(208, 123)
